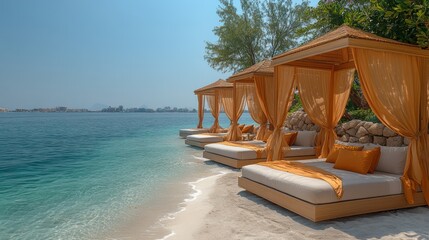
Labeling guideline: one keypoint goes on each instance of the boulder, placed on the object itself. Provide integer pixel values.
(340, 131)
(353, 139)
(367, 125)
(406, 141)
(388, 133)
(351, 131)
(379, 140)
(344, 138)
(293, 121)
(307, 120)
(361, 132)
(300, 124)
(365, 139)
(394, 141)
(376, 129)
(315, 128)
(351, 124)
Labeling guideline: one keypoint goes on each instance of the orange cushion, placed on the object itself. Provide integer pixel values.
(267, 135)
(247, 129)
(334, 152)
(290, 137)
(241, 126)
(356, 161)
(376, 157)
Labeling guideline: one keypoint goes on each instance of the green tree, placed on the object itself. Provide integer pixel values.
(261, 30)
(405, 21)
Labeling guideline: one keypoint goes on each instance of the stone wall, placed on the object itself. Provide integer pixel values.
(355, 131)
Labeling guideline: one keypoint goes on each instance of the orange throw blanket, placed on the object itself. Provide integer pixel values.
(257, 148)
(305, 170)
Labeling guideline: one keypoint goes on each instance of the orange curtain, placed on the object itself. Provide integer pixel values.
(200, 110)
(324, 95)
(238, 101)
(395, 86)
(255, 110)
(213, 101)
(227, 102)
(274, 95)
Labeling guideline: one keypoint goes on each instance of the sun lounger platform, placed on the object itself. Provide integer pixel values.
(314, 199)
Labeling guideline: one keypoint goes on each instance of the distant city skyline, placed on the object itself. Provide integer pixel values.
(93, 54)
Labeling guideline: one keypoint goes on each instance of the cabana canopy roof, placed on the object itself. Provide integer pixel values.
(263, 68)
(211, 88)
(332, 50)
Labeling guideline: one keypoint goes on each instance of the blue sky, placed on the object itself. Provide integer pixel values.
(79, 53)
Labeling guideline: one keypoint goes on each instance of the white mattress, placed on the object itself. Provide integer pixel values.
(316, 191)
(206, 138)
(190, 131)
(239, 153)
(242, 153)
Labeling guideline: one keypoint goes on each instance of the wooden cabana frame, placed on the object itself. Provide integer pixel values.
(213, 90)
(333, 51)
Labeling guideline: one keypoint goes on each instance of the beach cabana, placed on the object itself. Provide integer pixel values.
(214, 94)
(237, 154)
(210, 93)
(394, 79)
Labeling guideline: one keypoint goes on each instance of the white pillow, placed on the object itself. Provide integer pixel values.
(305, 138)
(392, 160)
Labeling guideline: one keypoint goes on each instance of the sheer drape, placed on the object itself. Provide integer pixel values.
(238, 97)
(324, 95)
(200, 110)
(213, 101)
(274, 95)
(396, 90)
(255, 110)
(227, 102)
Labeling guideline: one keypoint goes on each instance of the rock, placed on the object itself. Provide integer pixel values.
(406, 141)
(295, 128)
(367, 125)
(379, 140)
(294, 121)
(340, 131)
(315, 128)
(376, 129)
(365, 139)
(300, 124)
(309, 126)
(360, 124)
(361, 132)
(353, 139)
(388, 133)
(351, 131)
(344, 138)
(350, 124)
(394, 141)
(308, 120)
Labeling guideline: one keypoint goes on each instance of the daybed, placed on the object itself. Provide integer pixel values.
(237, 157)
(200, 140)
(183, 133)
(315, 199)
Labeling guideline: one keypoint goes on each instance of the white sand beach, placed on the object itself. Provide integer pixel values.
(225, 211)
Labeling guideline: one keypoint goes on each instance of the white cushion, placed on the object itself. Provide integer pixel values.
(239, 153)
(316, 191)
(305, 138)
(207, 138)
(298, 151)
(392, 159)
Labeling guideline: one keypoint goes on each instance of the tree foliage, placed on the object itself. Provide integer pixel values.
(402, 20)
(260, 30)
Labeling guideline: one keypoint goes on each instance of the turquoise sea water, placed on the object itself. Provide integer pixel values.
(73, 175)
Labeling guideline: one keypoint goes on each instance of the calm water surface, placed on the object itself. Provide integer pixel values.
(71, 175)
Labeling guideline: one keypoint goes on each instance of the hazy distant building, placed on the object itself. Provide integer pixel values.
(3, 110)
